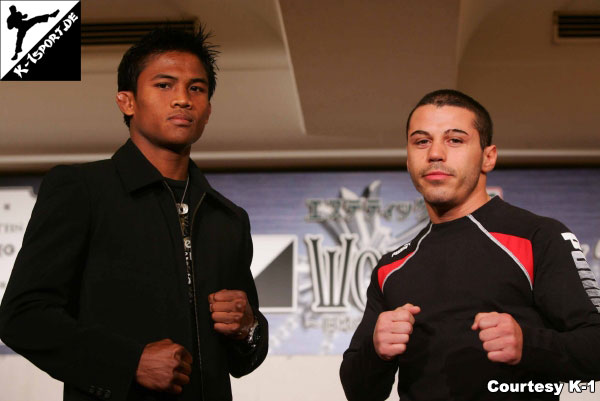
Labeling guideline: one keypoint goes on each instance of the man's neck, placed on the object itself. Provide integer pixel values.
(169, 163)
(442, 214)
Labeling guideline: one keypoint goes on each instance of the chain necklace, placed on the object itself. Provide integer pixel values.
(182, 207)
(182, 210)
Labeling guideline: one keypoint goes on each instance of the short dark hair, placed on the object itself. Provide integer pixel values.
(450, 97)
(164, 40)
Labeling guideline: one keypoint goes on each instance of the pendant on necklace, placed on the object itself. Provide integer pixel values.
(182, 208)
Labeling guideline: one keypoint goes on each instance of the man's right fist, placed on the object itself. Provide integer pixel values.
(392, 331)
(164, 366)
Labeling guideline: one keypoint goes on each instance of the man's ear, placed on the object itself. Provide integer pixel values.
(126, 102)
(490, 155)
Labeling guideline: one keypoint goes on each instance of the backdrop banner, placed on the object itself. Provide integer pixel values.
(318, 235)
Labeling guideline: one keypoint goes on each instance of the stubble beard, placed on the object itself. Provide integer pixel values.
(444, 197)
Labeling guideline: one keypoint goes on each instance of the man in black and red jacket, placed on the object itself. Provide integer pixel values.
(489, 301)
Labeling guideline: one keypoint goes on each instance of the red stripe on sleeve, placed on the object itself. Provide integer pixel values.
(520, 247)
(384, 271)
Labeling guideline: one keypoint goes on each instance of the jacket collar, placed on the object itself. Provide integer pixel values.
(133, 167)
(137, 172)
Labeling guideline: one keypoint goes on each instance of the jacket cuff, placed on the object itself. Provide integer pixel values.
(538, 355)
(116, 373)
(372, 361)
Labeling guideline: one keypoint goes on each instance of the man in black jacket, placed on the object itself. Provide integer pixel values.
(133, 281)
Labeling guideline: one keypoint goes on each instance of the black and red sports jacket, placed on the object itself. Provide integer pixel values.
(499, 258)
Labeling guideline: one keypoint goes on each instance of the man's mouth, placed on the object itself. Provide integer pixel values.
(436, 175)
(180, 119)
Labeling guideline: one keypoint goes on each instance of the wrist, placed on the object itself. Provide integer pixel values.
(252, 337)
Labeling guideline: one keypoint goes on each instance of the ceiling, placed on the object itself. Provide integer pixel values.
(329, 83)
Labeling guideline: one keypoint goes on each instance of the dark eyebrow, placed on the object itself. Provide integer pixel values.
(172, 78)
(201, 80)
(164, 76)
(419, 132)
(456, 130)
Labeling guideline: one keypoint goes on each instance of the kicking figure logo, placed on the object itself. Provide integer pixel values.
(16, 20)
(40, 40)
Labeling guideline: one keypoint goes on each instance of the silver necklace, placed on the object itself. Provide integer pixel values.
(182, 207)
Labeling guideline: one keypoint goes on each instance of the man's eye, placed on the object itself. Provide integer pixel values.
(162, 85)
(456, 140)
(197, 89)
(421, 142)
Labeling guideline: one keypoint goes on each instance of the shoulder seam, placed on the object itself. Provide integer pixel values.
(501, 246)
(407, 258)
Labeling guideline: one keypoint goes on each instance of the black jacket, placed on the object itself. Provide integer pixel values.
(101, 273)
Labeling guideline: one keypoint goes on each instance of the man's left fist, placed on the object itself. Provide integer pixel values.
(501, 335)
(231, 313)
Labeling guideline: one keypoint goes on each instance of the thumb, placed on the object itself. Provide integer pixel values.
(186, 356)
(478, 317)
(411, 308)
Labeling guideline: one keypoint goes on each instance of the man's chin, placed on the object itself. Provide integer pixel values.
(179, 145)
(438, 199)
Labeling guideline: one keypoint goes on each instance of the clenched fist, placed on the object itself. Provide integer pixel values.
(164, 366)
(231, 313)
(501, 335)
(392, 331)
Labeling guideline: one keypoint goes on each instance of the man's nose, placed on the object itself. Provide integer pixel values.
(181, 99)
(437, 151)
